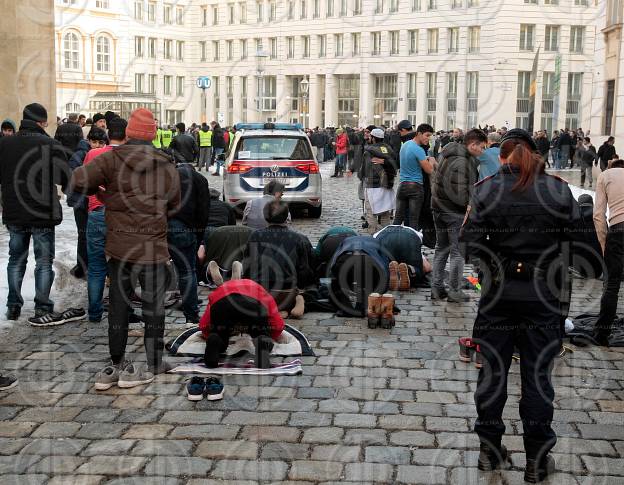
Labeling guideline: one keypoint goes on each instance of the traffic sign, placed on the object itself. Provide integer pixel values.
(204, 82)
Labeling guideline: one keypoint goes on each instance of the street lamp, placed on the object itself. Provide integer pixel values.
(261, 57)
(304, 85)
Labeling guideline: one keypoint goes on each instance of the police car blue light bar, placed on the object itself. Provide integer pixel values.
(268, 126)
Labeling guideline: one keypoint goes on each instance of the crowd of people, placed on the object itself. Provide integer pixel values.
(144, 212)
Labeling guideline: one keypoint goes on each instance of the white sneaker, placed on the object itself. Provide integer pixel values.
(237, 270)
(134, 375)
(215, 273)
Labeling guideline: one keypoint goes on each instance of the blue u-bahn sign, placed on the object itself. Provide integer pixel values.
(204, 82)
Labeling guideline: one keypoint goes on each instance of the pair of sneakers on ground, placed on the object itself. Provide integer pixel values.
(493, 457)
(380, 312)
(452, 296)
(210, 387)
(127, 374)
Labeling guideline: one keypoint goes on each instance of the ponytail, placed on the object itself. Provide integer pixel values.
(518, 153)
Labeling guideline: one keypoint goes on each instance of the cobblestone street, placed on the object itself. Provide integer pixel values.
(373, 406)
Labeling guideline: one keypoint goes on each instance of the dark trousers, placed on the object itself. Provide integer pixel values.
(535, 331)
(183, 249)
(614, 264)
(81, 216)
(410, 198)
(153, 282)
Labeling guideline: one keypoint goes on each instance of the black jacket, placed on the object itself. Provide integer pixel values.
(506, 227)
(32, 164)
(218, 141)
(378, 175)
(543, 145)
(606, 153)
(279, 259)
(184, 148)
(454, 179)
(194, 206)
(564, 139)
(69, 134)
(221, 214)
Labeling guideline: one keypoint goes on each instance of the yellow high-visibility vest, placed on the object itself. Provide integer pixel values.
(167, 136)
(205, 138)
(156, 141)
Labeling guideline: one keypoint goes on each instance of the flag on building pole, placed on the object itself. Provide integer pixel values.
(532, 92)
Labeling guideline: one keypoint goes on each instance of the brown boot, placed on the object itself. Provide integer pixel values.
(393, 267)
(387, 311)
(404, 279)
(374, 310)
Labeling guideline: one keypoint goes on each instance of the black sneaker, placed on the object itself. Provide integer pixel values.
(7, 382)
(536, 472)
(213, 351)
(13, 313)
(50, 319)
(492, 458)
(264, 345)
(73, 314)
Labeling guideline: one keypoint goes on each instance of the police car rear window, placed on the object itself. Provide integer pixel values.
(273, 148)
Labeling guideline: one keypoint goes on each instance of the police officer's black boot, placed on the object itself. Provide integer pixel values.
(492, 458)
(538, 470)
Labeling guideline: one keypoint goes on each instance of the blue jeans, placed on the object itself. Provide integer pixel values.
(183, 250)
(340, 164)
(217, 152)
(97, 269)
(43, 245)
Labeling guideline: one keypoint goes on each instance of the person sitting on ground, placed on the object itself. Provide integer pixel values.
(408, 266)
(241, 306)
(281, 260)
(221, 253)
(253, 215)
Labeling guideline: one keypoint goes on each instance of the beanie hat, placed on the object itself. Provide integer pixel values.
(8, 123)
(97, 117)
(109, 116)
(520, 134)
(141, 125)
(35, 112)
(377, 133)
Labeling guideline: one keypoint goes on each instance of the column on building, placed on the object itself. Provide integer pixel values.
(314, 101)
(366, 99)
(441, 102)
(460, 113)
(237, 112)
(402, 96)
(331, 100)
(283, 94)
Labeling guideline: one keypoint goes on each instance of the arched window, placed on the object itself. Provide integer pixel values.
(71, 51)
(103, 54)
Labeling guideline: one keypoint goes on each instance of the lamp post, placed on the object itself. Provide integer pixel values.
(261, 57)
(304, 85)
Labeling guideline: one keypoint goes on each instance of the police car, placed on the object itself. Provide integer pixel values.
(262, 152)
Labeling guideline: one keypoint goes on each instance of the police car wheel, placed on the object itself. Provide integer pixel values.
(315, 212)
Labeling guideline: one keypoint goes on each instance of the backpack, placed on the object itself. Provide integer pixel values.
(358, 268)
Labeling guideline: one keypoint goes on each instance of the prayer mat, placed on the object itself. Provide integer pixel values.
(195, 366)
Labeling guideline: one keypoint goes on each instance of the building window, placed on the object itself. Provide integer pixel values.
(138, 10)
(180, 85)
(531, 1)
(243, 85)
(548, 103)
(305, 46)
(394, 6)
(69, 2)
(266, 89)
(577, 38)
(432, 41)
(259, 46)
(231, 13)
(152, 47)
(179, 50)
(614, 12)
(243, 49)
(451, 99)
(393, 38)
(291, 9)
(152, 79)
(168, 48)
(215, 15)
(204, 16)
(453, 39)
(139, 83)
(272, 11)
(229, 49)
(72, 108)
(585, 3)
(330, 8)
(338, 45)
(474, 39)
(167, 16)
(202, 50)
(290, 47)
(379, 6)
(573, 104)
(551, 2)
(138, 46)
(432, 4)
(71, 51)
(552, 38)
(273, 47)
(376, 43)
(215, 50)
(243, 13)
(609, 107)
(357, 7)
(385, 98)
(167, 81)
(217, 93)
(348, 99)
(102, 48)
(456, 3)
(316, 12)
(151, 12)
(229, 92)
(472, 98)
(343, 8)
(412, 36)
(322, 45)
(174, 116)
(356, 43)
(416, 5)
(527, 37)
(179, 15)
(431, 82)
(303, 13)
(102, 4)
(472, 3)
(523, 101)
(412, 88)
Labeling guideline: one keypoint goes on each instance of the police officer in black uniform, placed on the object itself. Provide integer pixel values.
(518, 225)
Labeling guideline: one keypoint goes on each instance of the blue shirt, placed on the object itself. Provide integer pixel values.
(411, 155)
(488, 162)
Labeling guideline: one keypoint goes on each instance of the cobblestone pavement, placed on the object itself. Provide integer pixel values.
(372, 407)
